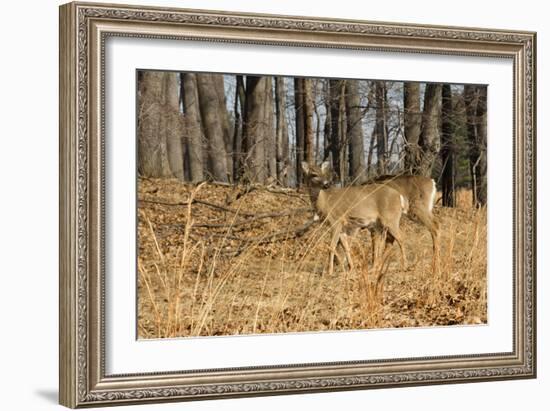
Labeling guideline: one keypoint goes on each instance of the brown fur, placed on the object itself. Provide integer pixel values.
(377, 207)
(418, 191)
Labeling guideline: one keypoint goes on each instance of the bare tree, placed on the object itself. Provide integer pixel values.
(300, 126)
(412, 125)
(239, 108)
(308, 120)
(355, 132)
(218, 81)
(172, 124)
(303, 104)
(336, 92)
(381, 126)
(481, 169)
(187, 131)
(282, 130)
(213, 125)
(475, 98)
(429, 136)
(193, 129)
(447, 148)
(152, 126)
(255, 128)
(270, 134)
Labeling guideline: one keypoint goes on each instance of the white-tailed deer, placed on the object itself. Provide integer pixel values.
(377, 207)
(420, 192)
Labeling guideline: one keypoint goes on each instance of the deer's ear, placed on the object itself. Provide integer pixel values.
(305, 167)
(325, 166)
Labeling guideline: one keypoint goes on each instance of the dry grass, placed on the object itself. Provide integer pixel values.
(191, 284)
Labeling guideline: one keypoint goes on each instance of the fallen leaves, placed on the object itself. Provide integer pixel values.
(276, 283)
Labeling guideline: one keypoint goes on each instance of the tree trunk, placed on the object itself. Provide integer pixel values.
(218, 80)
(238, 132)
(447, 148)
(429, 136)
(152, 146)
(214, 128)
(481, 170)
(475, 99)
(173, 125)
(336, 89)
(371, 151)
(308, 120)
(282, 131)
(343, 133)
(381, 127)
(193, 128)
(185, 137)
(355, 132)
(270, 136)
(327, 128)
(255, 129)
(413, 123)
(300, 126)
(317, 148)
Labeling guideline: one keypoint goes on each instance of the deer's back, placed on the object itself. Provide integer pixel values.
(365, 204)
(419, 190)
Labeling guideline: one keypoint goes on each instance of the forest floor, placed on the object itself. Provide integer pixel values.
(219, 260)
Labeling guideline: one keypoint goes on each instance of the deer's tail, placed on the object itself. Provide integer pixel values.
(404, 203)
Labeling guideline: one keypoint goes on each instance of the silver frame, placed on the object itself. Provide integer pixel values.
(83, 30)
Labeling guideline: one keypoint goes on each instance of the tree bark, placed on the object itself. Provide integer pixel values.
(152, 145)
(213, 127)
(475, 99)
(270, 133)
(238, 132)
(355, 132)
(429, 136)
(282, 131)
(308, 120)
(300, 126)
(447, 148)
(327, 128)
(193, 128)
(413, 124)
(371, 151)
(381, 126)
(172, 121)
(255, 129)
(336, 90)
(317, 116)
(481, 169)
(218, 80)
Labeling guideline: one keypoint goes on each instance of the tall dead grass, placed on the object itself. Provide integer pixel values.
(189, 286)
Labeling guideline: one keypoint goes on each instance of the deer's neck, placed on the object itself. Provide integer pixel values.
(314, 195)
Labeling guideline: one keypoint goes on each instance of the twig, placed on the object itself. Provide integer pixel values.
(197, 201)
(286, 192)
(255, 218)
(275, 236)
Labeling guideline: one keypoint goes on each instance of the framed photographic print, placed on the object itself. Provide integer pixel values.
(259, 204)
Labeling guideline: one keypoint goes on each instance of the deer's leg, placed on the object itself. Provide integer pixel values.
(345, 245)
(376, 236)
(341, 260)
(336, 230)
(395, 234)
(430, 222)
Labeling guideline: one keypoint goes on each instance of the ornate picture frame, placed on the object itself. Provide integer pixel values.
(84, 29)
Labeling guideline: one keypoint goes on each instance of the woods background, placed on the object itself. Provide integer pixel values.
(258, 129)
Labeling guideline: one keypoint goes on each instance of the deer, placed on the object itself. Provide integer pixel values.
(420, 192)
(377, 207)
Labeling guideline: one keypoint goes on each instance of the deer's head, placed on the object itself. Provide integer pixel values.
(318, 176)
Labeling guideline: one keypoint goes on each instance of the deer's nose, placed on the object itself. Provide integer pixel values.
(326, 184)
